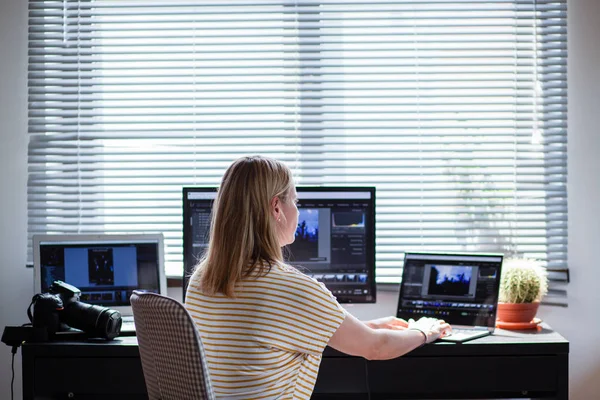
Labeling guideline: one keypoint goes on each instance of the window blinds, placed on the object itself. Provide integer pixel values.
(454, 110)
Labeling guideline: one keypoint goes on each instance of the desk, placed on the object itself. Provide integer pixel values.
(505, 365)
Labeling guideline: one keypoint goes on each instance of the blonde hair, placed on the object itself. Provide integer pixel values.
(243, 234)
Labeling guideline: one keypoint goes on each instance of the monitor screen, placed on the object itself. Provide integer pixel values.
(462, 289)
(335, 237)
(106, 268)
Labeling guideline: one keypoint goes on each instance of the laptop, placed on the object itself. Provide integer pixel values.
(460, 288)
(106, 268)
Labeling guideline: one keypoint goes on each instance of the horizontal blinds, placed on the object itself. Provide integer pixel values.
(454, 110)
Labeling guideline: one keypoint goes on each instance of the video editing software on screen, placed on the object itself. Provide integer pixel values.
(460, 289)
(335, 237)
(106, 274)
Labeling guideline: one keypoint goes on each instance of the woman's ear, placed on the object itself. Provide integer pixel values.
(276, 208)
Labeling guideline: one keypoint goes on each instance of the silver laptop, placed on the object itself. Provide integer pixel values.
(460, 288)
(106, 268)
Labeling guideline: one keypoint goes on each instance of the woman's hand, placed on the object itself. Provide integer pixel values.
(433, 328)
(387, 323)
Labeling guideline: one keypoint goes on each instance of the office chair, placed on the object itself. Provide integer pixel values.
(171, 351)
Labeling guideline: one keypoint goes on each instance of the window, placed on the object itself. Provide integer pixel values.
(454, 110)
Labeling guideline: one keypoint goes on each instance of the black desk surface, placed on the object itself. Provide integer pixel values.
(502, 342)
(532, 364)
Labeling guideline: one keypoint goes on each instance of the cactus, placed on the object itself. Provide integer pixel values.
(522, 281)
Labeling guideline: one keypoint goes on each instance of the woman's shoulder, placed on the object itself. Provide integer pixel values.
(292, 275)
(288, 270)
(308, 291)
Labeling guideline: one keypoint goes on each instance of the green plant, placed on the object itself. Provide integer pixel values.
(522, 281)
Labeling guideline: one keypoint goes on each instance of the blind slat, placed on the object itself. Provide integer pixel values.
(455, 110)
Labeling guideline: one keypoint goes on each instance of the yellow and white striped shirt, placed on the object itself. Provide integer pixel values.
(266, 343)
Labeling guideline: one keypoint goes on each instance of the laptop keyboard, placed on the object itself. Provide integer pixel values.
(127, 325)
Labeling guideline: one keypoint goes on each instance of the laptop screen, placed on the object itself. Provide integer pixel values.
(461, 289)
(106, 268)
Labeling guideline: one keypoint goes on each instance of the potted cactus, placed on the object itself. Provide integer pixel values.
(523, 283)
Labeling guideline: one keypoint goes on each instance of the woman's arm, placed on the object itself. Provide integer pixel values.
(387, 323)
(356, 338)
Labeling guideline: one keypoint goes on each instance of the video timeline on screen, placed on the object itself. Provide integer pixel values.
(340, 278)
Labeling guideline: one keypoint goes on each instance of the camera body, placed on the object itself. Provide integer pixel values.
(60, 309)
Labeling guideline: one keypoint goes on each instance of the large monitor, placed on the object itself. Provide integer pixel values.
(106, 268)
(335, 237)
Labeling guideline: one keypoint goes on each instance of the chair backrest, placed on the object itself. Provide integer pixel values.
(170, 349)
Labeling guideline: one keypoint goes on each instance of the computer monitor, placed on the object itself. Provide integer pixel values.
(335, 237)
(106, 268)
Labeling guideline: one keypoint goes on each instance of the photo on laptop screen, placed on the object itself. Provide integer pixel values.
(106, 268)
(450, 281)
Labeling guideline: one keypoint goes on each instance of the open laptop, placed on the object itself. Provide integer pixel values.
(106, 268)
(461, 289)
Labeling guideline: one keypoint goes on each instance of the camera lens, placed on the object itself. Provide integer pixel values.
(95, 320)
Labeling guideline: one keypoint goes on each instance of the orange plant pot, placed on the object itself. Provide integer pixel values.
(517, 312)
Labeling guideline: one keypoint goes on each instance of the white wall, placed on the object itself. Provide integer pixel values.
(580, 323)
(16, 286)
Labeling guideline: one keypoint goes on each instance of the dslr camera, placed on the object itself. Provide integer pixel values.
(60, 310)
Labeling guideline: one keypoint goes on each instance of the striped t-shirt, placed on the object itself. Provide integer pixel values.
(266, 343)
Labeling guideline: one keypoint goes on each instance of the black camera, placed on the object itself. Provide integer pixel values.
(60, 310)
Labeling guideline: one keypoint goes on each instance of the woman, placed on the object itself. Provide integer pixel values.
(264, 324)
